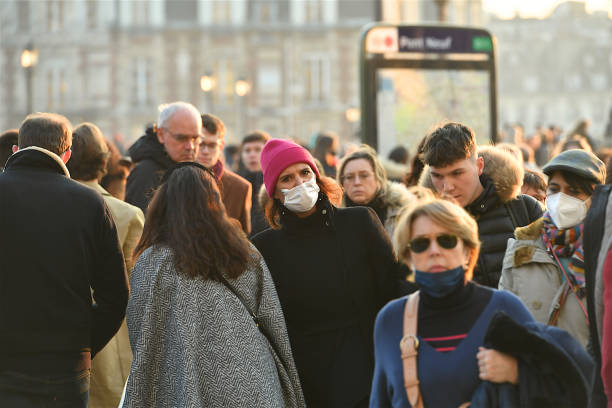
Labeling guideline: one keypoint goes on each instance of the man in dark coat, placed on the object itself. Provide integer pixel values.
(175, 138)
(235, 191)
(250, 169)
(58, 250)
(457, 171)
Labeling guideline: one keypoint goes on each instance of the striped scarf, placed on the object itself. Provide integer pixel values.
(567, 243)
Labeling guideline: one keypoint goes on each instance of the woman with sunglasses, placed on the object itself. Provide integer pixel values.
(439, 240)
(205, 324)
(333, 268)
(544, 263)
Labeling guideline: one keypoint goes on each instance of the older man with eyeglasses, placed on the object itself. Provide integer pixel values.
(175, 138)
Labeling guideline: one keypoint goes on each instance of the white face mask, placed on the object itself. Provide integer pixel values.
(303, 197)
(566, 211)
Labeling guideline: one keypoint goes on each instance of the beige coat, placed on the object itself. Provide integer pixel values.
(533, 275)
(111, 366)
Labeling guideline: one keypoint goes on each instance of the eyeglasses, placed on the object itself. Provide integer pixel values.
(420, 244)
(209, 146)
(350, 178)
(182, 138)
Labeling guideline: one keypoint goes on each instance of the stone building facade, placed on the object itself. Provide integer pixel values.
(112, 62)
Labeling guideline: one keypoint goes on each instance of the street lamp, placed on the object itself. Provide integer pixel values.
(242, 88)
(29, 59)
(207, 84)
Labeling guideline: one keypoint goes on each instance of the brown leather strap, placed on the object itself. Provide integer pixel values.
(409, 345)
(554, 316)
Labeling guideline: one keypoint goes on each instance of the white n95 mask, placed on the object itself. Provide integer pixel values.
(301, 198)
(566, 211)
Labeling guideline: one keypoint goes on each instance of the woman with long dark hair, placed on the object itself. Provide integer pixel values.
(205, 324)
(333, 268)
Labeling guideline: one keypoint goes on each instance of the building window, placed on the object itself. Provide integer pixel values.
(55, 15)
(221, 11)
(142, 81)
(56, 89)
(573, 82)
(92, 14)
(268, 81)
(314, 11)
(226, 81)
(140, 12)
(316, 77)
(23, 16)
(266, 11)
(182, 11)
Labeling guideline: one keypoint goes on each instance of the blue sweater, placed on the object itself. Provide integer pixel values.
(446, 379)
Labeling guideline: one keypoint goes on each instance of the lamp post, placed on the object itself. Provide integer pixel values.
(29, 59)
(207, 84)
(242, 88)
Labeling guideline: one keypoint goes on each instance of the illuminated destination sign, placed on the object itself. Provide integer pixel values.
(428, 39)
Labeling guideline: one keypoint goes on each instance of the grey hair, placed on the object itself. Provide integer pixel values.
(168, 109)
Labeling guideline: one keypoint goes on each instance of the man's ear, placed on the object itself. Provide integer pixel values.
(222, 145)
(66, 156)
(479, 164)
(160, 138)
(15, 148)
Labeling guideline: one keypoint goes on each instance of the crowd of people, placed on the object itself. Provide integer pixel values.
(296, 275)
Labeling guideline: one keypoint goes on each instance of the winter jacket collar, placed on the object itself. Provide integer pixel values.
(94, 185)
(37, 157)
(487, 200)
(314, 223)
(148, 147)
(387, 201)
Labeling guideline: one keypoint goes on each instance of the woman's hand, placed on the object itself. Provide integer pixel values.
(496, 367)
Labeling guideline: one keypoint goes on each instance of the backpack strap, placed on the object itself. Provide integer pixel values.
(409, 345)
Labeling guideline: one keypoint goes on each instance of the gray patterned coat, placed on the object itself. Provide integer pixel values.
(195, 345)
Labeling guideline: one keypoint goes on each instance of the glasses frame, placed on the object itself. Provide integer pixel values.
(441, 243)
(182, 138)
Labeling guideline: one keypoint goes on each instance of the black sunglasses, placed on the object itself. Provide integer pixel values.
(420, 244)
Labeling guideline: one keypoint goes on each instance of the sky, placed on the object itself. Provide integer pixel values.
(537, 8)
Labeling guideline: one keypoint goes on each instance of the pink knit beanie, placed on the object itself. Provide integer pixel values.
(277, 155)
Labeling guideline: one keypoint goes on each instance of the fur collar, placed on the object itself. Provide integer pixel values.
(531, 231)
(500, 166)
(395, 195)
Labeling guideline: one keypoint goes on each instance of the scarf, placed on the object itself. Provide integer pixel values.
(567, 243)
(218, 169)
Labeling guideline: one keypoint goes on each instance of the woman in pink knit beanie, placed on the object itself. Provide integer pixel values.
(333, 268)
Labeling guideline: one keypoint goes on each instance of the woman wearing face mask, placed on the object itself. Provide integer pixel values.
(439, 240)
(544, 264)
(333, 268)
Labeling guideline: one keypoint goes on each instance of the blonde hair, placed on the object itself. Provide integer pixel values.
(367, 153)
(444, 213)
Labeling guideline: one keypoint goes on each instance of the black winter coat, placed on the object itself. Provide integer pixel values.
(497, 220)
(592, 241)
(554, 370)
(58, 242)
(152, 161)
(333, 272)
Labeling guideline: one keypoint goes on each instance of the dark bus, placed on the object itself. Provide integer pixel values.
(416, 77)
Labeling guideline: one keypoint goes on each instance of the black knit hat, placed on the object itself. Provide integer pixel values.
(579, 162)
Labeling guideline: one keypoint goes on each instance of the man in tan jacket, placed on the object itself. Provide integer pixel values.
(111, 366)
(235, 190)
